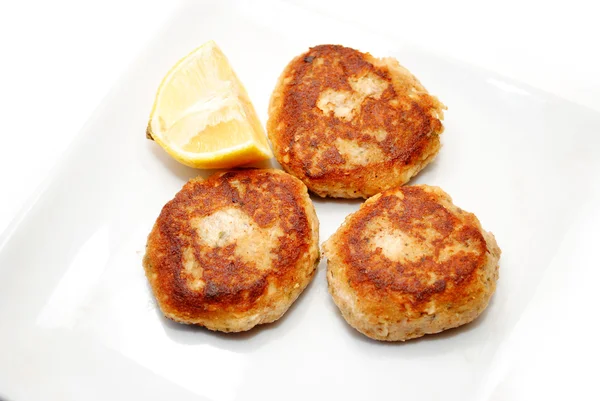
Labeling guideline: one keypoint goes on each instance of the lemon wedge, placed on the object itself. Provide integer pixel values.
(202, 115)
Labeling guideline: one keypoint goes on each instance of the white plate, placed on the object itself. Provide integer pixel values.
(79, 322)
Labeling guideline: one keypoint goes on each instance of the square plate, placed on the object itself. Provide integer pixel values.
(79, 321)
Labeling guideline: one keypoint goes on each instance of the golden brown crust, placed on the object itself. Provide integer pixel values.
(409, 262)
(218, 279)
(371, 273)
(350, 125)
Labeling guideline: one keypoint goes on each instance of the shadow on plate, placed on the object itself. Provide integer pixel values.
(417, 343)
(317, 200)
(240, 342)
(428, 174)
(186, 173)
(181, 171)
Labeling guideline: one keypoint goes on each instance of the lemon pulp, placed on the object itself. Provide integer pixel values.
(202, 115)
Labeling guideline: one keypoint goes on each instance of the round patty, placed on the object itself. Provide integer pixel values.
(233, 251)
(410, 263)
(350, 125)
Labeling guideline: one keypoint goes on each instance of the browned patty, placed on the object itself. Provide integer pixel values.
(350, 125)
(234, 250)
(409, 263)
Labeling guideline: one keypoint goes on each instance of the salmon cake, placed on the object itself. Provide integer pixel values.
(350, 125)
(234, 250)
(410, 263)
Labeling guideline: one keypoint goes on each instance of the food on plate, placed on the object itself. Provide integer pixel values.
(234, 250)
(202, 115)
(410, 263)
(350, 125)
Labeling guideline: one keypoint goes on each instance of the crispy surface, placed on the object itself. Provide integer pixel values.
(233, 251)
(409, 263)
(350, 125)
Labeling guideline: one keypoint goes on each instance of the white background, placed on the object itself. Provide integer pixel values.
(60, 58)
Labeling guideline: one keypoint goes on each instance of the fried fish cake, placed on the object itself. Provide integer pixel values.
(410, 263)
(350, 125)
(233, 251)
